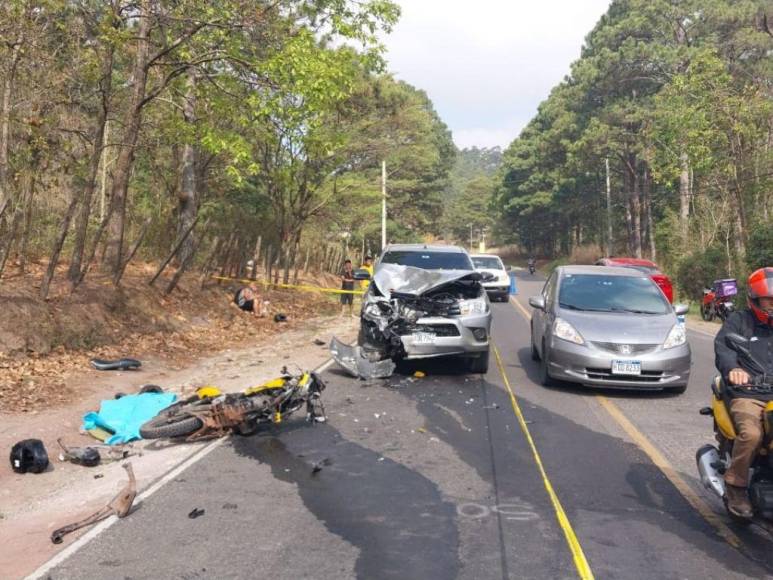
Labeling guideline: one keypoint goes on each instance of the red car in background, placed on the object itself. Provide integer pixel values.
(663, 281)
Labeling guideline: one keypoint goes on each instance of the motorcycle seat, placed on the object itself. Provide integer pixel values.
(124, 364)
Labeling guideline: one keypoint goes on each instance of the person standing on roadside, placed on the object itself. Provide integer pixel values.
(756, 325)
(347, 285)
(367, 265)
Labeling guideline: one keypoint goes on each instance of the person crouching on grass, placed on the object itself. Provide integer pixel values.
(347, 284)
(248, 299)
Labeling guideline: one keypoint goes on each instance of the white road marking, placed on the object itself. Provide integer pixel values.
(105, 525)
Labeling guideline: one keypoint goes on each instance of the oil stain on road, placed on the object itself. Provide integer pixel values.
(397, 518)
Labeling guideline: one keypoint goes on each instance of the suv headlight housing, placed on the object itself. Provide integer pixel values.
(565, 331)
(474, 306)
(677, 336)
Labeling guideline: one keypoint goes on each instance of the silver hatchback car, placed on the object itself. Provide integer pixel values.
(609, 327)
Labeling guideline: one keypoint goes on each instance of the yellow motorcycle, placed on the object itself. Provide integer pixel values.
(211, 413)
(713, 461)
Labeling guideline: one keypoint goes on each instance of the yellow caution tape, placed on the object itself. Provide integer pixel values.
(291, 286)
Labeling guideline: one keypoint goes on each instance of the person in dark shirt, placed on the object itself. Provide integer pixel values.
(347, 284)
(756, 325)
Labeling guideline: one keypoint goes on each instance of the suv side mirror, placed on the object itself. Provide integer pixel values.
(361, 274)
(537, 302)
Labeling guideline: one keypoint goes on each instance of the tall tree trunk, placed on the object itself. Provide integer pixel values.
(97, 153)
(636, 211)
(132, 122)
(188, 205)
(57, 249)
(684, 198)
(647, 190)
(5, 120)
(26, 231)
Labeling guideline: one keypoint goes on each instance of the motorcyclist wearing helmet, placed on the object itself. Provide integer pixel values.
(756, 324)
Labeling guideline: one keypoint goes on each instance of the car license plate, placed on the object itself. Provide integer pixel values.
(626, 367)
(423, 338)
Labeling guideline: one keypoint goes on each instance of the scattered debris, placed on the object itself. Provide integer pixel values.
(317, 467)
(419, 375)
(29, 456)
(99, 476)
(494, 406)
(120, 506)
(319, 342)
(86, 456)
(230, 506)
(151, 389)
(124, 364)
(196, 513)
(381, 459)
(280, 317)
(421, 430)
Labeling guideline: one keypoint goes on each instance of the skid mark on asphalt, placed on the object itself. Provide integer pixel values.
(396, 517)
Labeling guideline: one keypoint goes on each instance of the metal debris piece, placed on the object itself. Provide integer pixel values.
(356, 362)
(317, 467)
(119, 506)
(196, 513)
(86, 456)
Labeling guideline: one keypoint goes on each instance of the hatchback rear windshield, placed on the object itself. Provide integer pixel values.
(429, 260)
(599, 293)
(488, 263)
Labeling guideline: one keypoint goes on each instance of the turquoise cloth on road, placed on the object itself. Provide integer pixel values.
(124, 416)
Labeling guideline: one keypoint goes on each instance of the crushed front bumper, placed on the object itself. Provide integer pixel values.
(458, 335)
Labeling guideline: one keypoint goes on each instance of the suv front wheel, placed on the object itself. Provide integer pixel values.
(479, 364)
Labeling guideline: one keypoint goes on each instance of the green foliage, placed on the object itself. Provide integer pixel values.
(759, 252)
(699, 271)
(675, 97)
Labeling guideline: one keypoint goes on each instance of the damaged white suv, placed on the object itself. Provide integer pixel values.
(423, 301)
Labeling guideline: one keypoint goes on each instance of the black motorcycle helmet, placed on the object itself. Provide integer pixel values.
(29, 456)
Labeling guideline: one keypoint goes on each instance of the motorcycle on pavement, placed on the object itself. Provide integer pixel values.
(713, 461)
(717, 301)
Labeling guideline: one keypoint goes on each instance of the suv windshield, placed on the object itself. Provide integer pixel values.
(488, 263)
(599, 293)
(428, 260)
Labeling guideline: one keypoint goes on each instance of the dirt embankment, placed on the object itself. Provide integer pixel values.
(42, 342)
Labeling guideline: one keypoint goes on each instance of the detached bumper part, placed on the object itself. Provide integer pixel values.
(356, 362)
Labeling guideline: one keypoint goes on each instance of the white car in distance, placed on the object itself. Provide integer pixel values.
(499, 286)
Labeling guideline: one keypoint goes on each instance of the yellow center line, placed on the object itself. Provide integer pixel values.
(668, 470)
(580, 562)
(657, 458)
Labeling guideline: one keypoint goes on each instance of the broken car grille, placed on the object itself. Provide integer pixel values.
(436, 329)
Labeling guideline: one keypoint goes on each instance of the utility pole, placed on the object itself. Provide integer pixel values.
(609, 210)
(383, 205)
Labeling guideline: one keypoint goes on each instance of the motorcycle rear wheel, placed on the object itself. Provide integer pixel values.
(164, 426)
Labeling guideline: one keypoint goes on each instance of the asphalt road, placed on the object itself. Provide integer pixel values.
(436, 478)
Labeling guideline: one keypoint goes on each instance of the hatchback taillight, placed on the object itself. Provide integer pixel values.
(664, 282)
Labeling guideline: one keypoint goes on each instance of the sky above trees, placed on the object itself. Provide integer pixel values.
(487, 65)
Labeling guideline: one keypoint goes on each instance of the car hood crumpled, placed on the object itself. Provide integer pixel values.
(417, 281)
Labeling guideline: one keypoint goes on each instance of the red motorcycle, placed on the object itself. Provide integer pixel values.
(718, 300)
